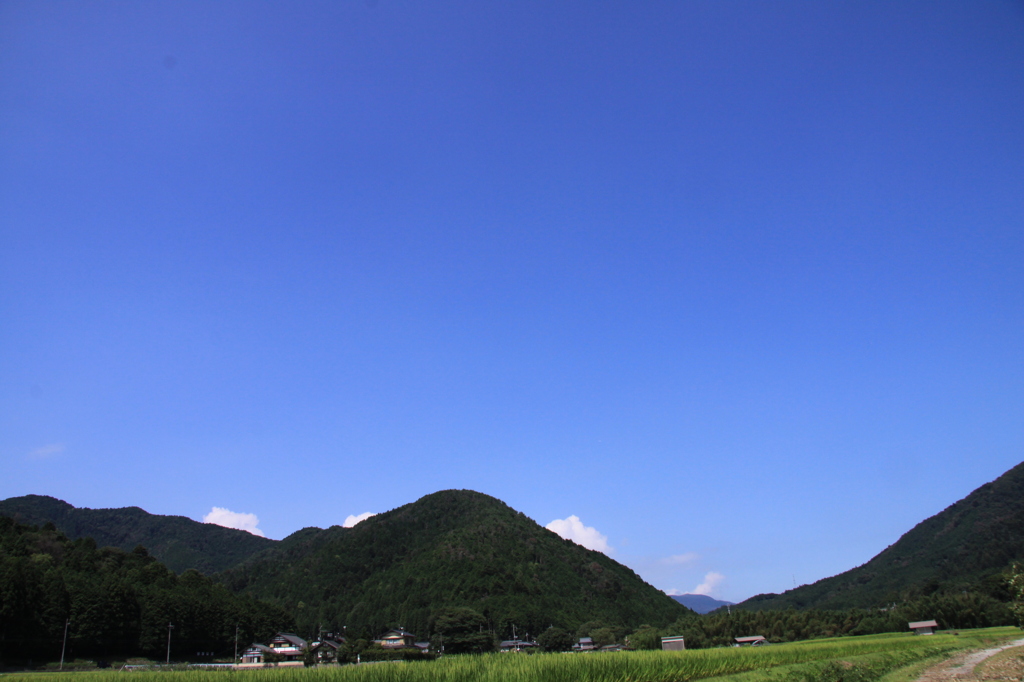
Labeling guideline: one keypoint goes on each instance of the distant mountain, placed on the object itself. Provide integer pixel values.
(960, 548)
(701, 603)
(176, 541)
(451, 548)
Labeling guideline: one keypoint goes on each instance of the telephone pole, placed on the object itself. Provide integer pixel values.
(65, 644)
(170, 627)
(236, 645)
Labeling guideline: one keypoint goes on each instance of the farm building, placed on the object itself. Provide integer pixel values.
(924, 627)
(677, 643)
(754, 640)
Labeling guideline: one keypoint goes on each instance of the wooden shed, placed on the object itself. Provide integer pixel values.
(755, 640)
(924, 627)
(676, 643)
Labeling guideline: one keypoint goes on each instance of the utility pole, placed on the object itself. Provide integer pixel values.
(65, 644)
(170, 627)
(236, 645)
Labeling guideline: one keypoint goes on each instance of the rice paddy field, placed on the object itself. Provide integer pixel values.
(847, 659)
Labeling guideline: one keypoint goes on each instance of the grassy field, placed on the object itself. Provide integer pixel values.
(850, 659)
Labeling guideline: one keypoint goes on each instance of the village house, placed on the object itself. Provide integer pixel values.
(285, 648)
(517, 645)
(326, 650)
(585, 644)
(397, 639)
(400, 639)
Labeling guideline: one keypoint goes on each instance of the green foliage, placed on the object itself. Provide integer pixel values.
(556, 639)
(176, 541)
(645, 638)
(462, 631)
(118, 602)
(1016, 584)
(966, 547)
(449, 549)
(606, 636)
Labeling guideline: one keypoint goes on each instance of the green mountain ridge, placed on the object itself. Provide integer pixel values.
(962, 548)
(177, 542)
(454, 548)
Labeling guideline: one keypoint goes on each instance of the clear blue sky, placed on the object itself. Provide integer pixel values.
(740, 284)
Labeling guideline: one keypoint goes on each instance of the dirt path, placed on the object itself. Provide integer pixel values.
(961, 667)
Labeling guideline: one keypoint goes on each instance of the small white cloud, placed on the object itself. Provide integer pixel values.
(219, 516)
(351, 520)
(573, 529)
(47, 451)
(711, 582)
(680, 559)
(674, 593)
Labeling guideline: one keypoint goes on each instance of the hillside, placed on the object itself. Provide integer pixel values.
(451, 548)
(119, 602)
(958, 549)
(176, 541)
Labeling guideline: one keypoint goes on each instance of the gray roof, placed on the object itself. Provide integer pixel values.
(399, 632)
(260, 647)
(292, 638)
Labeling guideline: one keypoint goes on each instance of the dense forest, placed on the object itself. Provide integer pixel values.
(454, 548)
(119, 603)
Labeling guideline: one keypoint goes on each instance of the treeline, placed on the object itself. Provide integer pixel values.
(952, 611)
(119, 603)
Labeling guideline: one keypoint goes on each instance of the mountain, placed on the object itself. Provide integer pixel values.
(963, 547)
(454, 548)
(701, 603)
(176, 541)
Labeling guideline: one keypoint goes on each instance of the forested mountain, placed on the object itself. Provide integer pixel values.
(966, 547)
(452, 548)
(119, 603)
(178, 542)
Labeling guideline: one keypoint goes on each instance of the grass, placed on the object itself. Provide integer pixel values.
(851, 659)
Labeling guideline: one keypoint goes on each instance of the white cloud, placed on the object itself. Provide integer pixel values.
(674, 593)
(219, 516)
(47, 451)
(351, 520)
(711, 582)
(680, 559)
(573, 529)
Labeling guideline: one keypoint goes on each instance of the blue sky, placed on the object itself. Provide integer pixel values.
(738, 285)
